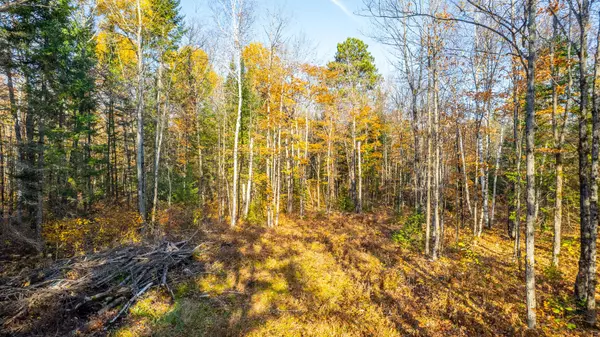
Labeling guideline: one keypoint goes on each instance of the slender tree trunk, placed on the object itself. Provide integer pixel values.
(538, 188)
(39, 219)
(115, 168)
(221, 175)
(127, 166)
(329, 162)
(157, 143)
(141, 173)
(429, 177)
(238, 123)
(458, 203)
(459, 189)
(10, 161)
(352, 166)
(477, 175)
(557, 209)
(590, 314)
(289, 175)
(417, 162)
(464, 169)
(585, 185)
(88, 162)
(278, 177)
(15, 111)
(530, 136)
(496, 170)
(305, 188)
(319, 181)
(475, 186)
(513, 207)
(485, 148)
(249, 182)
(170, 185)
(437, 167)
(559, 138)
(360, 180)
(517, 228)
(109, 144)
(482, 182)
(2, 176)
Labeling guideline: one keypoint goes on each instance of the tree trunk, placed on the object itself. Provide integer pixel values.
(464, 169)
(517, 227)
(289, 150)
(459, 189)
(329, 162)
(249, 182)
(157, 143)
(141, 173)
(437, 167)
(238, 123)
(2, 176)
(278, 175)
(585, 188)
(475, 183)
(352, 166)
(530, 136)
(482, 182)
(359, 204)
(109, 139)
(428, 187)
(590, 313)
(15, 111)
(496, 170)
(305, 188)
(39, 218)
(559, 139)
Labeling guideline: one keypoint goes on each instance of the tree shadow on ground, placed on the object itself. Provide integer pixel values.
(344, 276)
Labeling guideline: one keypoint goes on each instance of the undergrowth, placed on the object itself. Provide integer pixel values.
(342, 275)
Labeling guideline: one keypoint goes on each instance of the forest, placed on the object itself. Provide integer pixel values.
(165, 175)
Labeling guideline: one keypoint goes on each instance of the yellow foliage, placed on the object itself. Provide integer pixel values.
(107, 227)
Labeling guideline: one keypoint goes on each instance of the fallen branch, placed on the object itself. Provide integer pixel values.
(96, 283)
(131, 301)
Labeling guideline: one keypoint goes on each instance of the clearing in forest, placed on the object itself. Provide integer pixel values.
(345, 275)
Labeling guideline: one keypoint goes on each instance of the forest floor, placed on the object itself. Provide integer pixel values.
(343, 275)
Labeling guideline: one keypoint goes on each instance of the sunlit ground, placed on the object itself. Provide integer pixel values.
(345, 276)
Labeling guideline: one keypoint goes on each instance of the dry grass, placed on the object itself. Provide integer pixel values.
(344, 276)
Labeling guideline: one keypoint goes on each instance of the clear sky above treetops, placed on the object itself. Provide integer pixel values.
(324, 23)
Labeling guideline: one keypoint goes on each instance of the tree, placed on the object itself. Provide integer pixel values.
(492, 20)
(357, 75)
(233, 18)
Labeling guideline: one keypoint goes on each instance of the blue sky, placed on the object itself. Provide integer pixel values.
(324, 22)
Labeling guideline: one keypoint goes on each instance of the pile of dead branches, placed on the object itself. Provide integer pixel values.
(96, 284)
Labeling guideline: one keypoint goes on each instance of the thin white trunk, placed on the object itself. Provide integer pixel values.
(464, 170)
(428, 187)
(236, 30)
(157, 143)
(437, 168)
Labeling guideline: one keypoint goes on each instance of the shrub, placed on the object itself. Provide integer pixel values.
(345, 203)
(106, 227)
(467, 253)
(411, 230)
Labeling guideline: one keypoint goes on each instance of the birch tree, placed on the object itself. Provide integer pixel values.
(234, 19)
